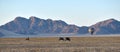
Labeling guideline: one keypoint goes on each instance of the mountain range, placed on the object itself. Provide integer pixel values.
(110, 26)
(35, 25)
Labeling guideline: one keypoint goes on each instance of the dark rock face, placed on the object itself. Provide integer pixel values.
(110, 26)
(34, 25)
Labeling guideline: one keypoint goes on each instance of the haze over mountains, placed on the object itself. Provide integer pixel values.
(34, 25)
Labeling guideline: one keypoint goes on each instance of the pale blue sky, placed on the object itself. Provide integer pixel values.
(78, 12)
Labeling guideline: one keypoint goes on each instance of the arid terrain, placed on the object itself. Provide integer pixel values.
(52, 44)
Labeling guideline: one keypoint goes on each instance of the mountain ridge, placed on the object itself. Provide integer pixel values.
(110, 26)
(35, 25)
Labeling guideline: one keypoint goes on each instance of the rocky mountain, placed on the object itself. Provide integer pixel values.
(110, 26)
(35, 25)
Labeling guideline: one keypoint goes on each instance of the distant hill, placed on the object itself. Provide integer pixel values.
(1, 34)
(110, 26)
(5, 33)
(35, 25)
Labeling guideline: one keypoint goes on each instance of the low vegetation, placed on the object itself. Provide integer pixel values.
(52, 44)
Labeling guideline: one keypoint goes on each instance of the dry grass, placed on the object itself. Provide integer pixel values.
(52, 44)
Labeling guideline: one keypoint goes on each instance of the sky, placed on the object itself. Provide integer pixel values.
(78, 12)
